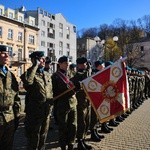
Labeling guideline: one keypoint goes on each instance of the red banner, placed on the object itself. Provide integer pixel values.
(108, 91)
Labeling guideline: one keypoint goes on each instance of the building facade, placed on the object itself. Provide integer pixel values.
(20, 35)
(57, 37)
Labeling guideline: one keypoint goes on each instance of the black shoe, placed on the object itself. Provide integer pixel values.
(81, 145)
(111, 129)
(124, 115)
(104, 128)
(113, 123)
(94, 136)
(87, 146)
(119, 119)
(99, 135)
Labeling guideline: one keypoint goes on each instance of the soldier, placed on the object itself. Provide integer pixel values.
(83, 104)
(48, 65)
(38, 101)
(72, 70)
(95, 136)
(9, 102)
(65, 105)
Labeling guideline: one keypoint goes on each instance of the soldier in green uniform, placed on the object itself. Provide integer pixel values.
(65, 105)
(83, 104)
(38, 101)
(9, 102)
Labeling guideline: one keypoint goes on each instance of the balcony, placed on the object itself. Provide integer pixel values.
(18, 61)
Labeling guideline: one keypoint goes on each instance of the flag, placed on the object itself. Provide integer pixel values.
(108, 91)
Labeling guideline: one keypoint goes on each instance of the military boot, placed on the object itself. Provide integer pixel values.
(104, 128)
(94, 136)
(81, 145)
(87, 146)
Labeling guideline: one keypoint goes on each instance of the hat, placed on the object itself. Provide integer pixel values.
(71, 66)
(63, 59)
(81, 60)
(4, 48)
(37, 54)
(47, 60)
(108, 63)
(99, 62)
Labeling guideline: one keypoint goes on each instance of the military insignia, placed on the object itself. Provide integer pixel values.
(109, 91)
(116, 72)
(92, 85)
(104, 109)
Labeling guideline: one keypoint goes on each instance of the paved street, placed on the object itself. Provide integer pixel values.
(132, 134)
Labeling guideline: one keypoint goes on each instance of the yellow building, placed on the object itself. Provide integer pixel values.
(21, 35)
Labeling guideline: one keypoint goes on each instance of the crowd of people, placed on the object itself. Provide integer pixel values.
(59, 94)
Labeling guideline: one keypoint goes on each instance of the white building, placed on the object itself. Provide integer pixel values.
(56, 37)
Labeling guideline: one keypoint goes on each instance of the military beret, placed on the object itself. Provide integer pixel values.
(71, 66)
(63, 59)
(81, 60)
(99, 62)
(47, 60)
(4, 48)
(108, 63)
(37, 54)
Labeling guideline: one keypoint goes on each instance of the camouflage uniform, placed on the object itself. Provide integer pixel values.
(37, 106)
(9, 109)
(65, 110)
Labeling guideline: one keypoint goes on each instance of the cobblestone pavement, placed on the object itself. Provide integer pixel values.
(132, 134)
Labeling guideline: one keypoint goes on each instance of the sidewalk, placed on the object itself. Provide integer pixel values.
(132, 134)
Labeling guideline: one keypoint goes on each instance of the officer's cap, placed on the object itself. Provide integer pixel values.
(99, 62)
(81, 60)
(108, 63)
(4, 48)
(37, 54)
(63, 59)
(47, 60)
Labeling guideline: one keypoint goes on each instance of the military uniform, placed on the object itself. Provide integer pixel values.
(9, 105)
(65, 106)
(82, 106)
(38, 101)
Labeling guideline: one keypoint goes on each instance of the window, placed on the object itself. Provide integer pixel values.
(74, 29)
(20, 18)
(45, 13)
(31, 39)
(43, 33)
(68, 46)
(19, 54)
(10, 34)
(60, 25)
(1, 11)
(10, 15)
(19, 36)
(60, 48)
(43, 22)
(1, 32)
(41, 11)
(43, 43)
(68, 36)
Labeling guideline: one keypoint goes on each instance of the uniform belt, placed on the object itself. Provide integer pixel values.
(5, 108)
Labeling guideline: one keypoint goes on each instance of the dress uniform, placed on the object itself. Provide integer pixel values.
(65, 105)
(9, 102)
(38, 101)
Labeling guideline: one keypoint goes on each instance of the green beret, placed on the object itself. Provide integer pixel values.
(4, 48)
(99, 62)
(108, 63)
(63, 59)
(71, 66)
(81, 60)
(37, 54)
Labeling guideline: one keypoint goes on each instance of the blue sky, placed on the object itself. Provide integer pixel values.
(87, 13)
